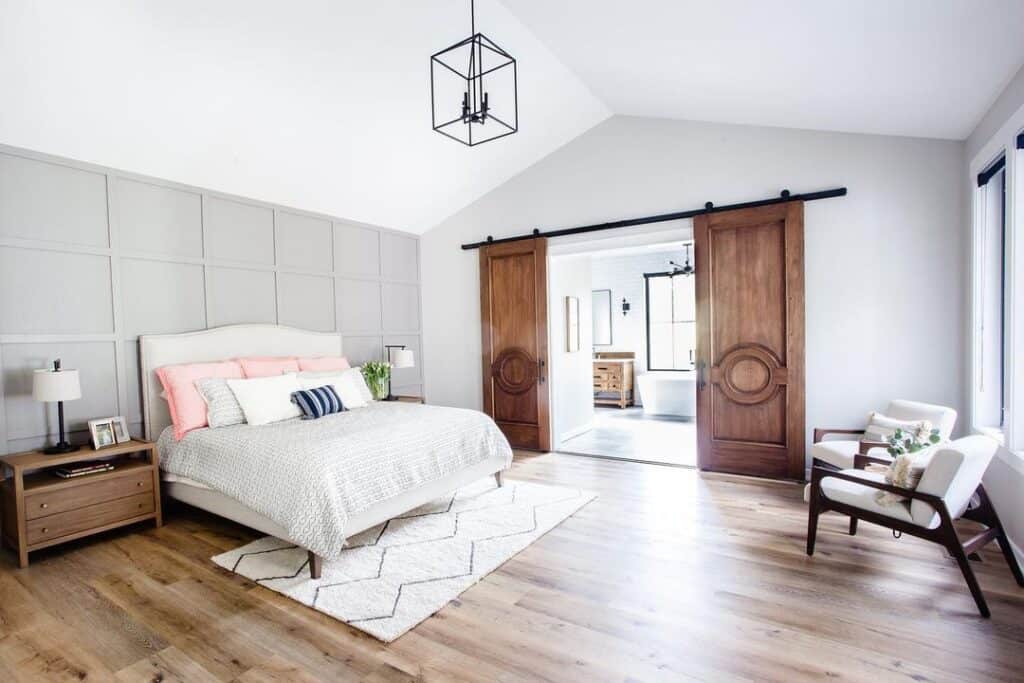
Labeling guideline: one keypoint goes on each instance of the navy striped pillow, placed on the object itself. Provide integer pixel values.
(318, 402)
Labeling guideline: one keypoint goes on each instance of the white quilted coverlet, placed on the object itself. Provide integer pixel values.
(311, 476)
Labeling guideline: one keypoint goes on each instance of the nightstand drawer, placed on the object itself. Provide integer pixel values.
(87, 492)
(83, 519)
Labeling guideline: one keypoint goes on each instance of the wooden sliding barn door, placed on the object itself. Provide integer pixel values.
(750, 341)
(514, 324)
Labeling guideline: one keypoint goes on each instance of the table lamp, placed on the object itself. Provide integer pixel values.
(57, 385)
(403, 358)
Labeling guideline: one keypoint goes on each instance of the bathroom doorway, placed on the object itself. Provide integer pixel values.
(622, 351)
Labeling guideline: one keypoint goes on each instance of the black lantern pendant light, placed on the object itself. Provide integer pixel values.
(473, 89)
(686, 269)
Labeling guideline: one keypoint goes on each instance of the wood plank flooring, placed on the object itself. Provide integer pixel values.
(668, 575)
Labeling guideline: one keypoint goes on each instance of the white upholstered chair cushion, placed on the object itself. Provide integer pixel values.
(941, 417)
(954, 473)
(863, 497)
(839, 453)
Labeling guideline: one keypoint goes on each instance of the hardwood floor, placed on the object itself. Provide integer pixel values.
(668, 575)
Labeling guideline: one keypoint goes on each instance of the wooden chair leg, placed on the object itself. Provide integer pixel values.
(853, 526)
(957, 551)
(812, 519)
(316, 565)
(1011, 559)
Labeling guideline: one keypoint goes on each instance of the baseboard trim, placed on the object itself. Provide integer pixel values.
(1017, 551)
(573, 433)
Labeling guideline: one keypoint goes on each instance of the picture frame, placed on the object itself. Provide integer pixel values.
(572, 324)
(121, 434)
(102, 433)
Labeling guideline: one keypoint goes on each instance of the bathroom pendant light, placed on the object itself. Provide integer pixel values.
(685, 269)
(473, 83)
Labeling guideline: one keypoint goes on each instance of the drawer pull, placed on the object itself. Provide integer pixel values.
(44, 505)
(45, 529)
(138, 483)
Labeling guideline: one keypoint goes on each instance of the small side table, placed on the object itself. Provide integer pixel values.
(410, 399)
(42, 509)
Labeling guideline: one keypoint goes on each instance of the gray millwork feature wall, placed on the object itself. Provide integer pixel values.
(92, 257)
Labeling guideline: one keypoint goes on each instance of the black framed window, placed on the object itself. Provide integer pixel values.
(990, 399)
(671, 321)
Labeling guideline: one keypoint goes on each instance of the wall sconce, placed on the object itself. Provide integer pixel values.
(625, 306)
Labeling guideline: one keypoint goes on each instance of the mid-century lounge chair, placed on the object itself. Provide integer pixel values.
(951, 479)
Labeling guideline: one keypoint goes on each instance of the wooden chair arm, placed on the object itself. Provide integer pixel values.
(819, 473)
(866, 446)
(860, 461)
(820, 433)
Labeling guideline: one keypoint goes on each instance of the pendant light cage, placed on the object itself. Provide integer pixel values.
(474, 90)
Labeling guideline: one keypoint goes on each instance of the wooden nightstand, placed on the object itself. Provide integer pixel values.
(42, 509)
(410, 399)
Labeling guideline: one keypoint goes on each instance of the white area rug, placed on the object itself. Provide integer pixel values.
(397, 574)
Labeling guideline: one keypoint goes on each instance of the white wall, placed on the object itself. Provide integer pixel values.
(572, 404)
(624, 275)
(885, 267)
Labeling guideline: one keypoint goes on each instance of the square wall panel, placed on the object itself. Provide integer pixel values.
(406, 376)
(52, 292)
(401, 307)
(304, 242)
(160, 220)
(399, 257)
(160, 297)
(358, 304)
(97, 374)
(238, 232)
(307, 301)
(40, 200)
(356, 250)
(238, 295)
(360, 349)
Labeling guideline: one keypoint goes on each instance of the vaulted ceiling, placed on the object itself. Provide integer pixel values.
(923, 68)
(324, 105)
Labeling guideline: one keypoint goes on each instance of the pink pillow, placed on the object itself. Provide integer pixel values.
(188, 409)
(268, 367)
(324, 364)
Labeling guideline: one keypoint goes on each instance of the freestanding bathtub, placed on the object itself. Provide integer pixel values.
(668, 393)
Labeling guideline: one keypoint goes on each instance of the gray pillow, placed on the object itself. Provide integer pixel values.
(222, 408)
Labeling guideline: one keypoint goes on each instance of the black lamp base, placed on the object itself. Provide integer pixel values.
(61, 448)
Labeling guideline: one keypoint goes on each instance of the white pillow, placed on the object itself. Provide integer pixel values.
(343, 383)
(882, 427)
(360, 381)
(267, 399)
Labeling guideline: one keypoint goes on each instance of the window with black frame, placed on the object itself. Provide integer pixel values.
(671, 321)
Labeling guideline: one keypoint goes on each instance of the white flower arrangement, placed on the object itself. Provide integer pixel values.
(905, 448)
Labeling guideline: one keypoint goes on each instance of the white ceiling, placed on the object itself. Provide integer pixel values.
(322, 105)
(926, 68)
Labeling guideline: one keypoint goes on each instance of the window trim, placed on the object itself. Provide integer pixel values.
(647, 314)
(1007, 142)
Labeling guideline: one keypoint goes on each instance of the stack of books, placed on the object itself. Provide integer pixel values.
(80, 468)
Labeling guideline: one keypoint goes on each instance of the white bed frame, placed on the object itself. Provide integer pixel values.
(235, 341)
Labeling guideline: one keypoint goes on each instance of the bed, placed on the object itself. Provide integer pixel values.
(217, 491)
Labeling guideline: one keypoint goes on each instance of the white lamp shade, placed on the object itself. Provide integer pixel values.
(404, 359)
(60, 385)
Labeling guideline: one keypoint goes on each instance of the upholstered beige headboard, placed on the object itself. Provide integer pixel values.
(219, 343)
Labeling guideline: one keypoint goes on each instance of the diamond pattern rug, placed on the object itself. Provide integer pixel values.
(393, 576)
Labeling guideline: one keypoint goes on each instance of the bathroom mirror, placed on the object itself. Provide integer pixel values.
(602, 316)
